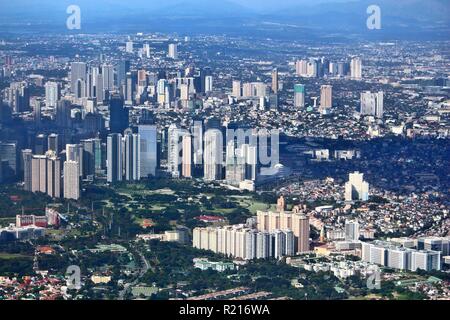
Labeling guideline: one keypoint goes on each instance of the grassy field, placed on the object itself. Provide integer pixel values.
(11, 256)
(252, 205)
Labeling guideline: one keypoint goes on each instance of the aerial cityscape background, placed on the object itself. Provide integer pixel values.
(237, 150)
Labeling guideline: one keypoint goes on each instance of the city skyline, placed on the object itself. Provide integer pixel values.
(236, 150)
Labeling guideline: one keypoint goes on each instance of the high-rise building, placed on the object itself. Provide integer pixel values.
(300, 228)
(122, 68)
(186, 160)
(27, 155)
(237, 88)
(114, 158)
(351, 230)
(129, 47)
(372, 104)
(356, 68)
(17, 97)
(53, 142)
(91, 150)
(161, 91)
(130, 87)
(40, 144)
(208, 84)
(235, 164)
(149, 154)
(173, 153)
(46, 174)
(301, 68)
(78, 77)
(213, 156)
(74, 152)
(441, 244)
(197, 144)
(312, 68)
(118, 115)
(275, 86)
(132, 157)
(299, 96)
(425, 260)
(52, 94)
(243, 242)
(71, 180)
(356, 188)
(147, 50)
(326, 97)
(63, 118)
(283, 243)
(173, 51)
(390, 255)
(294, 220)
(37, 104)
(9, 160)
(108, 77)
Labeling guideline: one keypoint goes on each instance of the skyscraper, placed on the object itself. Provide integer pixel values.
(147, 50)
(129, 47)
(237, 88)
(89, 156)
(356, 68)
(27, 155)
(114, 158)
(122, 68)
(213, 155)
(299, 96)
(17, 96)
(9, 160)
(351, 230)
(173, 51)
(118, 115)
(301, 68)
(326, 97)
(37, 105)
(63, 113)
(77, 75)
(132, 157)
(46, 174)
(71, 180)
(53, 142)
(186, 160)
(300, 228)
(173, 155)
(74, 152)
(372, 104)
(148, 148)
(312, 68)
(108, 77)
(52, 94)
(275, 80)
(208, 84)
(356, 188)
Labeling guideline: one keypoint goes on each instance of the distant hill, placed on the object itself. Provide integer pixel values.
(400, 18)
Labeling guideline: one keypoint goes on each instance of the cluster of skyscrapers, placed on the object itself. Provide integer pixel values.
(314, 68)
